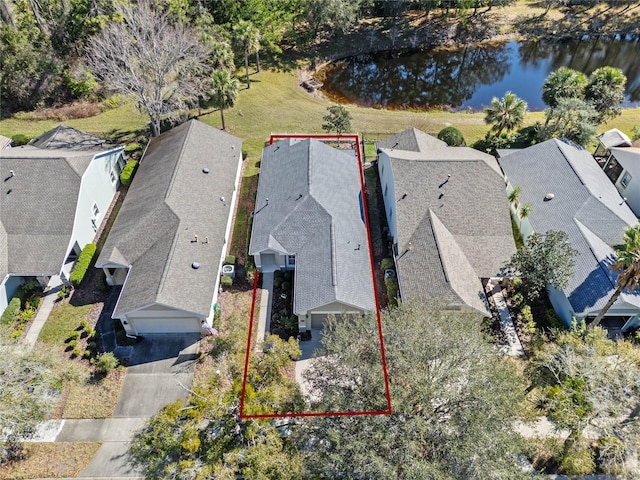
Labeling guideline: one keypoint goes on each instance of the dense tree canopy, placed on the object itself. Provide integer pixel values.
(453, 400)
(544, 259)
(153, 59)
(590, 384)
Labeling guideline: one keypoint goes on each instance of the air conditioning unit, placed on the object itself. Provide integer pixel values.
(229, 270)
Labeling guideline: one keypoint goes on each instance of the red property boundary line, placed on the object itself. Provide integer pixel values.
(388, 410)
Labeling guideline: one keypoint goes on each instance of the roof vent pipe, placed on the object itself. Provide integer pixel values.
(549, 196)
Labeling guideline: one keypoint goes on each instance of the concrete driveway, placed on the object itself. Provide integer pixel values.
(160, 372)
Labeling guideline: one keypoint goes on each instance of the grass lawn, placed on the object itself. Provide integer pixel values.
(64, 318)
(95, 398)
(52, 460)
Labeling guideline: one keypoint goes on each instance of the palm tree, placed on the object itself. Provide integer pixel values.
(247, 37)
(224, 91)
(628, 264)
(563, 83)
(525, 210)
(506, 113)
(514, 196)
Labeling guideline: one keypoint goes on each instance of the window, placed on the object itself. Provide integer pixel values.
(386, 190)
(95, 210)
(626, 178)
(113, 176)
(291, 259)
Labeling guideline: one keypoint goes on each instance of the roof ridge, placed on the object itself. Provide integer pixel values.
(189, 127)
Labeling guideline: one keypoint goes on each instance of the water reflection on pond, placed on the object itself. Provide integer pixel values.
(471, 76)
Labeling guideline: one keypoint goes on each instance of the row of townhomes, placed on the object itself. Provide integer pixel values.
(447, 210)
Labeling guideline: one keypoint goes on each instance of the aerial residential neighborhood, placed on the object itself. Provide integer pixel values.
(319, 240)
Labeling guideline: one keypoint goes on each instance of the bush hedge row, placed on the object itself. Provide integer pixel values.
(83, 264)
(126, 177)
(11, 312)
(393, 290)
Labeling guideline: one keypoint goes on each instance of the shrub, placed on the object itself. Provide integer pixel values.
(126, 177)
(73, 343)
(76, 352)
(73, 336)
(517, 299)
(452, 137)
(87, 353)
(277, 282)
(11, 312)
(527, 316)
(516, 283)
(84, 324)
(230, 260)
(226, 281)
(92, 346)
(288, 275)
(19, 139)
(106, 362)
(554, 320)
(64, 292)
(578, 459)
(17, 333)
(83, 264)
(89, 330)
(392, 290)
(387, 263)
(33, 302)
(286, 285)
(27, 314)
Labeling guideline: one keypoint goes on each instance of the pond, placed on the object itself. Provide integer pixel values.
(469, 77)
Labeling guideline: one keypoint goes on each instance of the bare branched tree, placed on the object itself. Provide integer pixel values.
(151, 58)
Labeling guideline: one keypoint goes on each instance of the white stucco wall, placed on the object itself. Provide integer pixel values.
(227, 235)
(96, 187)
(387, 185)
(630, 162)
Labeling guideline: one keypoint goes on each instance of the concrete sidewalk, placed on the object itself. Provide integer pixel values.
(264, 312)
(47, 303)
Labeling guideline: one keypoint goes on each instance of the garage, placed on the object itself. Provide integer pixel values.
(317, 320)
(156, 319)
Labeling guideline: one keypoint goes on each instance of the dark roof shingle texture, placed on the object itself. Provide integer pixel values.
(313, 212)
(586, 205)
(170, 201)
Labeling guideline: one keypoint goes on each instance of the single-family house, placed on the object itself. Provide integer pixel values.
(619, 157)
(568, 191)
(168, 243)
(309, 217)
(448, 218)
(55, 193)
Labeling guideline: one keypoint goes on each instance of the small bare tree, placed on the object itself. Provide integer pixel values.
(156, 61)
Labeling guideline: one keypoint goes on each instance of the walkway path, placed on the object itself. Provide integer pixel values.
(264, 312)
(47, 303)
(515, 347)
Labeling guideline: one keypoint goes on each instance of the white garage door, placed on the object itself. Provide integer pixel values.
(144, 325)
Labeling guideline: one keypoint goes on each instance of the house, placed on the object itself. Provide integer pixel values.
(619, 157)
(168, 243)
(309, 217)
(448, 218)
(567, 191)
(56, 192)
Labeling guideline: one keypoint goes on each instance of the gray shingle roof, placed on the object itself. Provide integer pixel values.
(314, 213)
(459, 226)
(170, 201)
(411, 140)
(38, 206)
(614, 138)
(586, 205)
(68, 138)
